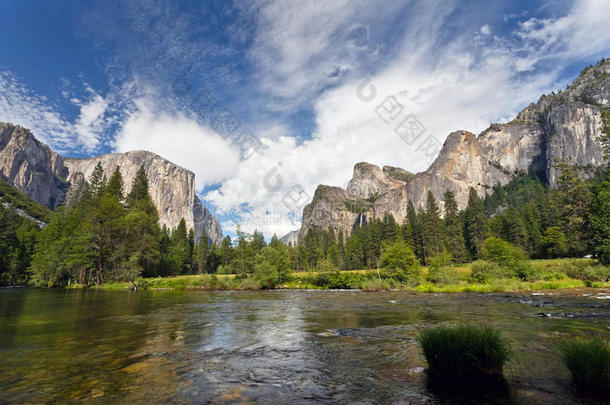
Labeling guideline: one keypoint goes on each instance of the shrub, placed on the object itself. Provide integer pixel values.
(483, 272)
(266, 275)
(554, 242)
(464, 351)
(210, 281)
(501, 252)
(440, 270)
(329, 276)
(141, 283)
(399, 263)
(588, 361)
(585, 270)
(553, 276)
(596, 273)
(374, 284)
(222, 269)
(248, 283)
(507, 256)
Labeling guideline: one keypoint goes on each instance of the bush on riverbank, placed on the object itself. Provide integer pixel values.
(464, 351)
(441, 271)
(588, 362)
(398, 262)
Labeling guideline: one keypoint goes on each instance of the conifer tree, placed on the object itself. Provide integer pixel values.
(454, 236)
(115, 185)
(475, 224)
(432, 228)
(226, 249)
(139, 188)
(416, 231)
(341, 249)
(97, 181)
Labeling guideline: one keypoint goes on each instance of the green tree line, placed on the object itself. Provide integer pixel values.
(105, 235)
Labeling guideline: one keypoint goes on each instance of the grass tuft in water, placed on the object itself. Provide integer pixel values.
(588, 362)
(464, 351)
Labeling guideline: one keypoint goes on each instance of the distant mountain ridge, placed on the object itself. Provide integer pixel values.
(564, 126)
(291, 238)
(45, 176)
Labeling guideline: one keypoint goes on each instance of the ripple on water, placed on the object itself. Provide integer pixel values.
(275, 347)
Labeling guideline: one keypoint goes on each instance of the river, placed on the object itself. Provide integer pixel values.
(276, 346)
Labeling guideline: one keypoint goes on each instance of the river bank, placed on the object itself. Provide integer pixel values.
(555, 274)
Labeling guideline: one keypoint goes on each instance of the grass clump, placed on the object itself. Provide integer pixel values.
(464, 351)
(375, 284)
(588, 362)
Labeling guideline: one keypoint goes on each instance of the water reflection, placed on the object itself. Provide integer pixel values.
(280, 346)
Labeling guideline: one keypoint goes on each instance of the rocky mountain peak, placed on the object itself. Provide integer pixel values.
(45, 176)
(566, 126)
(31, 166)
(369, 180)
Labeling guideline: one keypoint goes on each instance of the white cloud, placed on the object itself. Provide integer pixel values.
(581, 33)
(300, 48)
(21, 106)
(466, 83)
(485, 29)
(180, 140)
(90, 124)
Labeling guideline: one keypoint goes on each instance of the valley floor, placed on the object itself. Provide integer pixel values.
(555, 275)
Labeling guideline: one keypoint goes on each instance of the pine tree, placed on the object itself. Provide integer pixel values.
(179, 249)
(275, 242)
(475, 224)
(354, 253)
(97, 181)
(416, 231)
(258, 241)
(390, 230)
(576, 197)
(191, 249)
(226, 249)
(432, 228)
(534, 233)
(115, 185)
(341, 249)
(139, 188)
(515, 230)
(454, 237)
(202, 251)
(599, 217)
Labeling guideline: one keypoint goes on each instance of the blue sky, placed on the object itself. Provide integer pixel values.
(191, 81)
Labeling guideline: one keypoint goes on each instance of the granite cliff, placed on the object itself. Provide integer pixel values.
(33, 168)
(564, 126)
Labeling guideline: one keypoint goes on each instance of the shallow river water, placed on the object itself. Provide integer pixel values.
(277, 346)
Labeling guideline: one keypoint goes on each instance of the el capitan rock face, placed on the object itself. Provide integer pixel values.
(564, 126)
(45, 176)
(31, 166)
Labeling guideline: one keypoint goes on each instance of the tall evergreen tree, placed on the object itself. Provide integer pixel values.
(226, 249)
(115, 185)
(475, 224)
(454, 236)
(139, 188)
(599, 217)
(432, 228)
(97, 181)
(341, 249)
(415, 222)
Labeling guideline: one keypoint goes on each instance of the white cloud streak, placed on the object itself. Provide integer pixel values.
(180, 140)
(464, 83)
